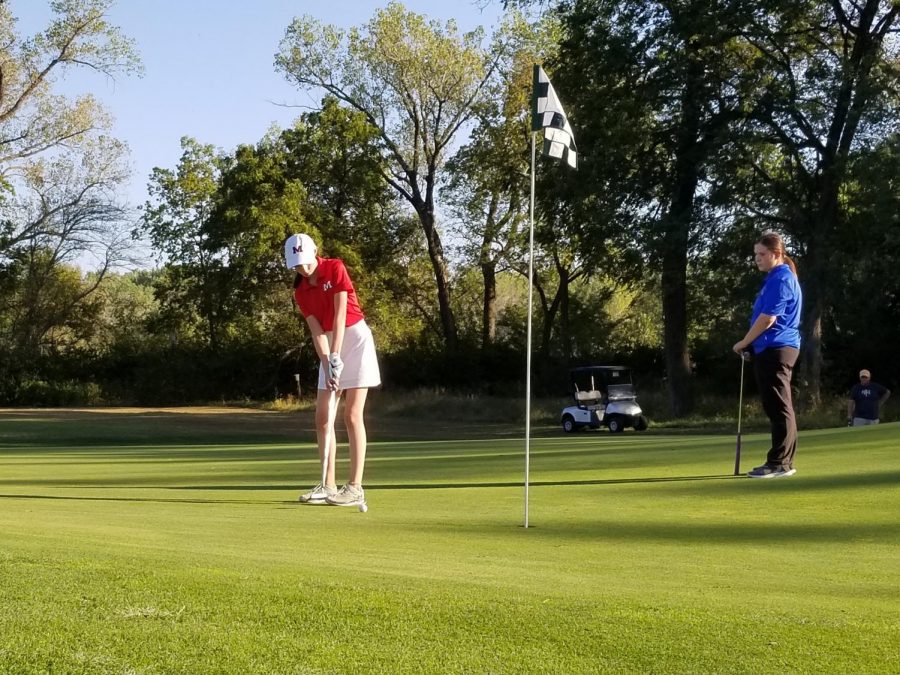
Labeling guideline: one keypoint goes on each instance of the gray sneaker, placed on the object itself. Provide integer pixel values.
(347, 496)
(318, 495)
(770, 471)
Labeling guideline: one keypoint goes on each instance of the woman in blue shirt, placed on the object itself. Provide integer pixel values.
(774, 339)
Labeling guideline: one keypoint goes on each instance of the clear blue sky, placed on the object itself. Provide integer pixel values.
(209, 68)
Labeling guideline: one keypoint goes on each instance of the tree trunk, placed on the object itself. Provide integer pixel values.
(489, 304)
(815, 281)
(674, 305)
(547, 328)
(441, 277)
(813, 285)
(565, 334)
(688, 156)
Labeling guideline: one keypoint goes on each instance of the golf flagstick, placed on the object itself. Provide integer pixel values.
(528, 333)
(737, 447)
(548, 118)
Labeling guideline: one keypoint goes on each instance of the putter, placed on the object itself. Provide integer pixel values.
(737, 446)
(332, 404)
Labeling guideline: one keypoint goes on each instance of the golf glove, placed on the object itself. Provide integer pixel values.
(335, 366)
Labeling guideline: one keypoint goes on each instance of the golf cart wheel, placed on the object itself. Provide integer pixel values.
(615, 424)
(568, 424)
(641, 424)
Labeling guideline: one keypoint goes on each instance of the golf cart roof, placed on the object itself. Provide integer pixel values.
(585, 369)
(599, 377)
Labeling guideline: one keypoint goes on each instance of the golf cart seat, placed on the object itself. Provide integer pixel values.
(588, 397)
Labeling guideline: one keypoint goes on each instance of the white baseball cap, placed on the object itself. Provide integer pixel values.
(299, 249)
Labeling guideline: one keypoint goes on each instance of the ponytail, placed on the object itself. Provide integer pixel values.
(791, 264)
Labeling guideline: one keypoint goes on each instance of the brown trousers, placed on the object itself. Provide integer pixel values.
(773, 368)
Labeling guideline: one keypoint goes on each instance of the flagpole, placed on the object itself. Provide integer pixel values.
(548, 117)
(528, 338)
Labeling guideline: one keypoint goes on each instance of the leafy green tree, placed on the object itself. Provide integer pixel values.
(322, 176)
(831, 91)
(612, 318)
(67, 202)
(59, 175)
(32, 119)
(336, 154)
(47, 311)
(126, 306)
(418, 84)
(56, 159)
(487, 191)
(865, 314)
(257, 203)
(181, 203)
(655, 87)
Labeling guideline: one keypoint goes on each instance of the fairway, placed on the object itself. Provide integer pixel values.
(171, 541)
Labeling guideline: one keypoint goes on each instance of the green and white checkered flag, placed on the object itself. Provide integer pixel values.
(547, 113)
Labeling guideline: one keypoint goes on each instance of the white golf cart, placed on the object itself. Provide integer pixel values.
(604, 396)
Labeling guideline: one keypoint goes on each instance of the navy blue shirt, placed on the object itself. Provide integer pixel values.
(781, 297)
(867, 397)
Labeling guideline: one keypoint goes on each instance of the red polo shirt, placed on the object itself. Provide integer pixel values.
(318, 300)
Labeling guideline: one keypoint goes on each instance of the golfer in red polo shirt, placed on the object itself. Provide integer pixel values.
(348, 362)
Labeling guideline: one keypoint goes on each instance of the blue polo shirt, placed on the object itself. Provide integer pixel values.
(781, 297)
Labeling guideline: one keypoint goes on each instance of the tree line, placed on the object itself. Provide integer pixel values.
(699, 126)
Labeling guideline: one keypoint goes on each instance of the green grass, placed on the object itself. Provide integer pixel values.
(170, 542)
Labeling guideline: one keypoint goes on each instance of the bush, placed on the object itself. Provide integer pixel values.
(63, 393)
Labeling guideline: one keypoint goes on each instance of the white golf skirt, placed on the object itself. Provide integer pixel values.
(360, 360)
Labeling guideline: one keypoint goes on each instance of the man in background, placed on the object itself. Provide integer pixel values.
(865, 401)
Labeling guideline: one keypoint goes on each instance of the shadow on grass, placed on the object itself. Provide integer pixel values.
(703, 533)
(719, 483)
(495, 484)
(287, 488)
(93, 485)
(148, 500)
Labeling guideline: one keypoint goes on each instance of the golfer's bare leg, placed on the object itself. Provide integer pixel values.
(326, 410)
(354, 406)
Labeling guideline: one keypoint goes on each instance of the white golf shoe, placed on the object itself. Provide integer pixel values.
(318, 495)
(347, 496)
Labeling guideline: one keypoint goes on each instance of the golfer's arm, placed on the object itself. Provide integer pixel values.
(851, 408)
(885, 396)
(763, 323)
(319, 339)
(340, 321)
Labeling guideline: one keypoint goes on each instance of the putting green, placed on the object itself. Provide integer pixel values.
(170, 541)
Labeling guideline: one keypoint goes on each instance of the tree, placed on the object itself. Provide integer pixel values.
(33, 119)
(322, 176)
(257, 203)
(832, 91)
(54, 153)
(68, 204)
(59, 176)
(658, 86)
(416, 82)
(175, 221)
(487, 191)
(864, 315)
